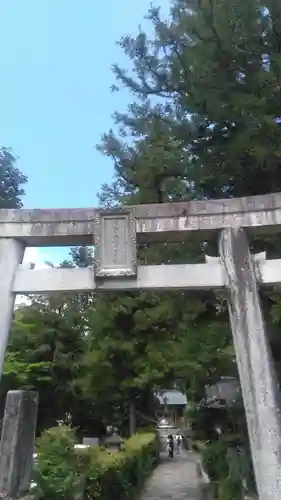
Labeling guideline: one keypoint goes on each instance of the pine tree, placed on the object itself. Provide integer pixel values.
(214, 68)
(11, 181)
(203, 124)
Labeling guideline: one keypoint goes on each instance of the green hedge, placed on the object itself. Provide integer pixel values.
(226, 473)
(215, 461)
(121, 475)
(64, 473)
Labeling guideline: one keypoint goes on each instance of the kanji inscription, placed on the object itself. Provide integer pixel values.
(115, 244)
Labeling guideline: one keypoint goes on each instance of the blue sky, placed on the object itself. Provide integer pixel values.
(55, 92)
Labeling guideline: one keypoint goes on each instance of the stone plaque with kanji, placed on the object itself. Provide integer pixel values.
(115, 245)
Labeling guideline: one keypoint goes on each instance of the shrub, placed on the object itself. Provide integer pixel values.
(227, 473)
(61, 470)
(56, 473)
(199, 446)
(215, 461)
(230, 488)
(121, 475)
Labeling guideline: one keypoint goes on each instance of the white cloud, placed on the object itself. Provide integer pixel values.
(38, 258)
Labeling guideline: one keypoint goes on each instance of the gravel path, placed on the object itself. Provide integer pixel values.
(174, 479)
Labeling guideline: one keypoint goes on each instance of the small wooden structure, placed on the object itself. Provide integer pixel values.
(172, 405)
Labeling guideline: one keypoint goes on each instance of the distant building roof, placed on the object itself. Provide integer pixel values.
(227, 388)
(171, 397)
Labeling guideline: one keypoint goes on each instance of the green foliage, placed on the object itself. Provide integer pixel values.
(44, 354)
(11, 181)
(215, 461)
(157, 150)
(217, 98)
(56, 473)
(231, 474)
(202, 123)
(230, 489)
(61, 470)
(192, 414)
(199, 446)
(122, 474)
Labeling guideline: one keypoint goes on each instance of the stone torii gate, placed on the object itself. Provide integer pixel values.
(116, 233)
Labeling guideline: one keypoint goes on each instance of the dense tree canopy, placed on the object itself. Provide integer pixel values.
(43, 354)
(214, 68)
(46, 353)
(203, 123)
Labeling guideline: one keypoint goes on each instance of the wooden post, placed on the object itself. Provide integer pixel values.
(260, 389)
(17, 442)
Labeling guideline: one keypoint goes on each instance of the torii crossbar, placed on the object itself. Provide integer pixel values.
(116, 233)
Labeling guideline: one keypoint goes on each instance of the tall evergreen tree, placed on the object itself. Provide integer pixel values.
(214, 67)
(11, 181)
(204, 123)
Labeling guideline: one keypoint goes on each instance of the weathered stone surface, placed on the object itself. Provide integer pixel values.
(226, 388)
(178, 277)
(193, 276)
(49, 227)
(158, 221)
(114, 440)
(261, 394)
(11, 255)
(91, 441)
(115, 239)
(204, 482)
(161, 222)
(79, 492)
(17, 442)
(174, 479)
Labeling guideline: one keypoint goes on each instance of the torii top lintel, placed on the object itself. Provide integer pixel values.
(65, 227)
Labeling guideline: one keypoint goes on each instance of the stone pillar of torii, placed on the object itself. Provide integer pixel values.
(115, 234)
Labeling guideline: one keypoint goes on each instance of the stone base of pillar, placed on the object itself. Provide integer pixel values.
(17, 442)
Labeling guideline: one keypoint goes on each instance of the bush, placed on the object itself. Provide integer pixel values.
(227, 474)
(214, 461)
(56, 473)
(121, 475)
(61, 470)
(199, 446)
(230, 489)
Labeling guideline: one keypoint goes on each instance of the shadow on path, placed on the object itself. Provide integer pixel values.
(174, 479)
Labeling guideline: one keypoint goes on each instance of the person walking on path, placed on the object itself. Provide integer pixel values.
(178, 442)
(170, 446)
